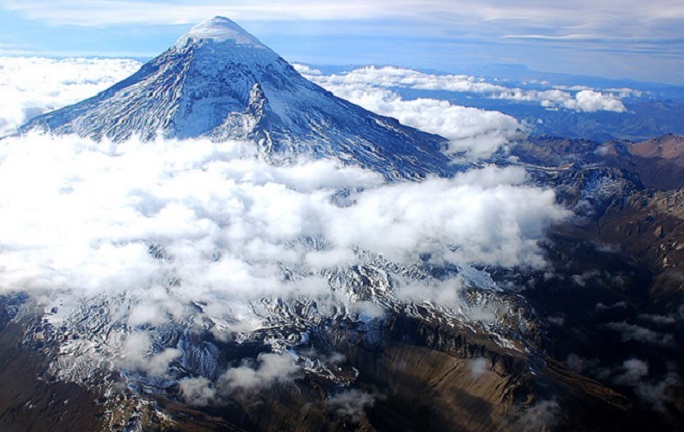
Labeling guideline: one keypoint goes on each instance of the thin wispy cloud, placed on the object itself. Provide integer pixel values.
(572, 37)
(579, 18)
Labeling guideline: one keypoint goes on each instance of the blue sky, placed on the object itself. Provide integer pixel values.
(614, 38)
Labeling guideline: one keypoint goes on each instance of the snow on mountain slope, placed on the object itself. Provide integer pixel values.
(219, 81)
(31, 86)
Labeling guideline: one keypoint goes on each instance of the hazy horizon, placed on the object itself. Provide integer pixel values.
(615, 40)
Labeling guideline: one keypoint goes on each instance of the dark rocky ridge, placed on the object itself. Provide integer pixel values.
(617, 269)
(30, 400)
(421, 378)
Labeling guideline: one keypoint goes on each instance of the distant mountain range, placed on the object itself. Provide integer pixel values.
(651, 109)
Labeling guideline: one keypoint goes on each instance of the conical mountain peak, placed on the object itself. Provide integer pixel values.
(221, 82)
(219, 29)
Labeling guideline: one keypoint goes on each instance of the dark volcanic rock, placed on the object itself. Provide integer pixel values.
(29, 400)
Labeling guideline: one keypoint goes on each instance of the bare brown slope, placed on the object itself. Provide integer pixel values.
(660, 161)
(30, 403)
(649, 227)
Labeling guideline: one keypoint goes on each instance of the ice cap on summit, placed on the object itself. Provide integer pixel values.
(219, 29)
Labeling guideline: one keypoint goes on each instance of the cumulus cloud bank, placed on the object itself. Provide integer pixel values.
(33, 85)
(185, 231)
(474, 132)
(98, 217)
(587, 100)
(388, 77)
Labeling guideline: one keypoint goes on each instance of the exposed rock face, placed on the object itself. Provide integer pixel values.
(616, 292)
(30, 400)
(414, 374)
(659, 162)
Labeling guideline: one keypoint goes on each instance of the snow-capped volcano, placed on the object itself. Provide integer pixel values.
(186, 284)
(221, 29)
(221, 82)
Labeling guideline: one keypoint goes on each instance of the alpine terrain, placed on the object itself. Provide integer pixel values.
(364, 338)
(220, 82)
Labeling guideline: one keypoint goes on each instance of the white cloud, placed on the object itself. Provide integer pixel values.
(197, 391)
(633, 372)
(361, 86)
(661, 320)
(137, 354)
(656, 392)
(543, 415)
(592, 101)
(169, 225)
(351, 403)
(33, 85)
(271, 368)
(478, 366)
(458, 220)
(391, 76)
(640, 334)
(477, 133)
(583, 100)
(83, 215)
(659, 393)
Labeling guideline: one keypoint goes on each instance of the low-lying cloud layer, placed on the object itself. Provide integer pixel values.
(195, 231)
(100, 217)
(184, 231)
(474, 132)
(388, 77)
(33, 85)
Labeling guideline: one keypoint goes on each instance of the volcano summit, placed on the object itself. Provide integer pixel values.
(219, 81)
